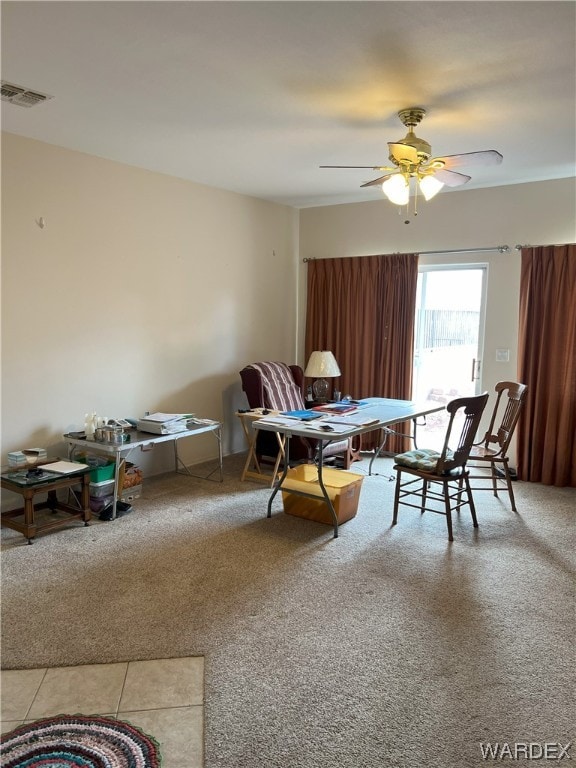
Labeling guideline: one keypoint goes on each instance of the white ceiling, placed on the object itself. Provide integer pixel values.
(253, 96)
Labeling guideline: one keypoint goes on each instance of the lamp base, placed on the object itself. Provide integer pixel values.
(320, 390)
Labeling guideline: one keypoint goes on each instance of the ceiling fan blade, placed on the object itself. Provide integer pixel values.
(485, 157)
(403, 152)
(375, 182)
(371, 167)
(451, 178)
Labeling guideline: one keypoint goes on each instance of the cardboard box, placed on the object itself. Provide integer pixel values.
(132, 476)
(343, 489)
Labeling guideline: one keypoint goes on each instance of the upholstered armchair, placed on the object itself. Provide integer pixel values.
(280, 387)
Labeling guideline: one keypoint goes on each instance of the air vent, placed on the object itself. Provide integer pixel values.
(22, 97)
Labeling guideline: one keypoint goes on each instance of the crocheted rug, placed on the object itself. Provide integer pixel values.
(78, 741)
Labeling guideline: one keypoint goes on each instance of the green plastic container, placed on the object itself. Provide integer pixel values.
(100, 468)
(98, 474)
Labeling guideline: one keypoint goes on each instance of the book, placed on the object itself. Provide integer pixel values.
(302, 415)
(335, 408)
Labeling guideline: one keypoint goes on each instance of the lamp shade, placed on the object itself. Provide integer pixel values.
(322, 364)
(396, 189)
(429, 186)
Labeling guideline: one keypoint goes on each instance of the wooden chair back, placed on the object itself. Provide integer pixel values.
(498, 437)
(454, 457)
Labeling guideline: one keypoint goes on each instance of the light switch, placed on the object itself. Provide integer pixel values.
(502, 355)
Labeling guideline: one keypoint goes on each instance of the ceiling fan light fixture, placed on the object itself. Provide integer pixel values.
(429, 186)
(396, 189)
(413, 166)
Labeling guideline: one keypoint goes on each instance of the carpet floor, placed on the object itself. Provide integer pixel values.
(388, 646)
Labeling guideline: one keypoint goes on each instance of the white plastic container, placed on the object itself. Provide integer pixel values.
(104, 488)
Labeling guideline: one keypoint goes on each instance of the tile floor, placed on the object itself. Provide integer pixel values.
(164, 698)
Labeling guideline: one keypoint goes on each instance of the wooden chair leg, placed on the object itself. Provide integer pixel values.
(494, 478)
(460, 489)
(471, 502)
(424, 494)
(396, 497)
(446, 491)
(354, 449)
(509, 484)
(348, 455)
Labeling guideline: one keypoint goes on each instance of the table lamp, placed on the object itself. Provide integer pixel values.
(321, 365)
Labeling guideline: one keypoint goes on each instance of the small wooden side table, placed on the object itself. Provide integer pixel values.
(252, 468)
(28, 486)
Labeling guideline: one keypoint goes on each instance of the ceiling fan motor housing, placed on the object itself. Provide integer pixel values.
(411, 117)
(421, 146)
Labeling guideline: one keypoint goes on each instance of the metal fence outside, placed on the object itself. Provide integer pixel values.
(446, 328)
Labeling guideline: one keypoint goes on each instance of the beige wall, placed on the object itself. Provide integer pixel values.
(142, 292)
(539, 213)
(533, 214)
(146, 292)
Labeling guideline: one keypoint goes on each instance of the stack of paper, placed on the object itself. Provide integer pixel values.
(327, 427)
(16, 458)
(65, 467)
(164, 423)
(164, 418)
(353, 420)
(281, 421)
(319, 426)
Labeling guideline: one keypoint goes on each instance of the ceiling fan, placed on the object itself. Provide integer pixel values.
(410, 158)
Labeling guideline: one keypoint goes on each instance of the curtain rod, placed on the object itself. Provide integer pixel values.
(499, 248)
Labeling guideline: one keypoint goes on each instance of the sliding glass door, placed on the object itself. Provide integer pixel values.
(450, 309)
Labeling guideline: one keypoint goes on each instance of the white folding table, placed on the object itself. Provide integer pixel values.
(383, 414)
(145, 441)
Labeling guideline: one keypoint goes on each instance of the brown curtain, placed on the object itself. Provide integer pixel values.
(547, 364)
(362, 309)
